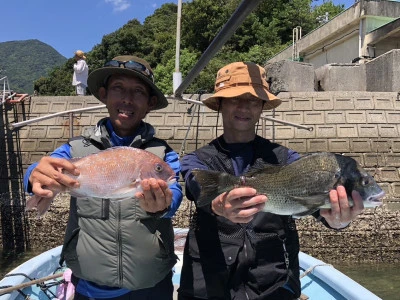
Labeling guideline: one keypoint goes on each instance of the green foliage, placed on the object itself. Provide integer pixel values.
(23, 62)
(265, 32)
(327, 7)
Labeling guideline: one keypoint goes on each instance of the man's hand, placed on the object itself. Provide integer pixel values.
(156, 195)
(47, 178)
(341, 214)
(239, 205)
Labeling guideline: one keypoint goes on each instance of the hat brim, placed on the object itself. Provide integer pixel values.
(96, 80)
(271, 101)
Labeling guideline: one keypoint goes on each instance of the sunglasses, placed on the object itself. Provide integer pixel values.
(131, 65)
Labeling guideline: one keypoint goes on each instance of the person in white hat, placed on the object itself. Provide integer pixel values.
(235, 250)
(81, 72)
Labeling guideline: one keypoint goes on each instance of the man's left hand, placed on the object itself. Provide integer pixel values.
(341, 214)
(156, 195)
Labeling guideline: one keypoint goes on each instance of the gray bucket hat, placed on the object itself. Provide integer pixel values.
(126, 65)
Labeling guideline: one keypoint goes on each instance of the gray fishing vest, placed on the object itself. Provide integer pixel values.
(116, 243)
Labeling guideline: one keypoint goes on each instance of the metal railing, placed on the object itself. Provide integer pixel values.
(67, 112)
(71, 113)
(6, 92)
(263, 118)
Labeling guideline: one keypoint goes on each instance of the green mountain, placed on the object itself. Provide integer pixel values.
(24, 62)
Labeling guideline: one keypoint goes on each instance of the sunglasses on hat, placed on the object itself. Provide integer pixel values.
(131, 65)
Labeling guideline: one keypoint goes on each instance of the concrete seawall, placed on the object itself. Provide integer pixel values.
(364, 125)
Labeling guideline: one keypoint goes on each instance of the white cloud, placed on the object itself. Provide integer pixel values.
(119, 5)
(154, 5)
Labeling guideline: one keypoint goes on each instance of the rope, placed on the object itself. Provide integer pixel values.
(309, 270)
(7, 290)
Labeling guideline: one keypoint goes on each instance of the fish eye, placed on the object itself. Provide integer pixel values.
(365, 181)
(158, 168)
(337, 175)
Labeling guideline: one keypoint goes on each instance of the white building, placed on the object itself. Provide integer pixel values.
(365, 30)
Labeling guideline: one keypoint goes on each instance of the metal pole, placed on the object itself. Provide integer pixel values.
(263, 118)
(177, 76)
(38, 119)
(237, 18)
(263, 124)
(71, 125)
(309, 128)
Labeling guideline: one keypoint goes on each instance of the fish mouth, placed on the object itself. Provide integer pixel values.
(172, 180)
(376, 200)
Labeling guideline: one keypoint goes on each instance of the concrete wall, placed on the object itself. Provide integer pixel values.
(341, 77)
(363, 125)
(345, 37)
(383, 73)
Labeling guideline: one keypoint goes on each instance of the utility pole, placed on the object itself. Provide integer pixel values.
(177, 76)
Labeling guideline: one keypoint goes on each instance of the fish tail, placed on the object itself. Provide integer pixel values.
(212, 184)
(32, 202)
(44, 205)
(40, 203)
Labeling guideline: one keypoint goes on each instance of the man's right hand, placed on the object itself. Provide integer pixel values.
(239, 205)
(47, 178)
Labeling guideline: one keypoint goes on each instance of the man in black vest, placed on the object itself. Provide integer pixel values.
(234, 250)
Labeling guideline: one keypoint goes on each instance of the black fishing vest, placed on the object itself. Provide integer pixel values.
(240, 261)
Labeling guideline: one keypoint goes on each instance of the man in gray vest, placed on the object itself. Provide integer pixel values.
(117, 249)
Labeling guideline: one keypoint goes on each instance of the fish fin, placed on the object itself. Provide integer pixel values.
(305, 213)
(125, 191)
(75, 159)
(263, 169)
(312, 202)
(314, 199)
(212, 184)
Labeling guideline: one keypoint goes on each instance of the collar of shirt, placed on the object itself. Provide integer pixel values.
(116, 140)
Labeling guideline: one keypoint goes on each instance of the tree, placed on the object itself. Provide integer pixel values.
(265, 32)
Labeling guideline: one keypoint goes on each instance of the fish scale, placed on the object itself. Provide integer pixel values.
(299, 188)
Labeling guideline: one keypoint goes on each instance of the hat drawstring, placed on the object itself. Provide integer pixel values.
(216, 125)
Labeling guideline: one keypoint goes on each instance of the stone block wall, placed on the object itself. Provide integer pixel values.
(364, 125)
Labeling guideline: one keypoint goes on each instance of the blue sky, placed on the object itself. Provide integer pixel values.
(69, 25)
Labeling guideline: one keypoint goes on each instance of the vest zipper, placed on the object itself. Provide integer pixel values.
(246, 238)
(119, 245)
(246, 256)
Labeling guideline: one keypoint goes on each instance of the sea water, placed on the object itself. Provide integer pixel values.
(383, 279)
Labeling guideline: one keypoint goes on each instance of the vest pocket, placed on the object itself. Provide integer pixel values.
(93, 208)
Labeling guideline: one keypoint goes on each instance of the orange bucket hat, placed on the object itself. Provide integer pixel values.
(241, 78)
